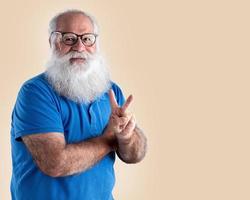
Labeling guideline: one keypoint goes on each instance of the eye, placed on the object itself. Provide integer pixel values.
(86, 39)
(89, 39)
(69, 38)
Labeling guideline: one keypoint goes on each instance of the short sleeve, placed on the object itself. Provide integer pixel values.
(118, 94)
(35, 111)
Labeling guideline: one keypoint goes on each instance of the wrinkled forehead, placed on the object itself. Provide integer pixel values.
(74, 22)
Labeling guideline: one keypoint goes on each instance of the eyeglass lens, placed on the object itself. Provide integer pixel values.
(71, 39)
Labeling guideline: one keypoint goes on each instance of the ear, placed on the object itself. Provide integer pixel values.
(54, 42)
(49, 42)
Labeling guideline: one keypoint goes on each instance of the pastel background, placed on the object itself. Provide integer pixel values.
(187, 65)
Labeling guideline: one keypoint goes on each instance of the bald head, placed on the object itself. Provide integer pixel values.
(68, 17)
(74, 22)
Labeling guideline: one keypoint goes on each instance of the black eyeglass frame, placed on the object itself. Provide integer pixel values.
(63, 33)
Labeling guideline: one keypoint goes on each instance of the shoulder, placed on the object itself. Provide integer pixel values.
(38, 81)
(37, 91)
(37, 85)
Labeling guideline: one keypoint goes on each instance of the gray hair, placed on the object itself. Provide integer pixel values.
(53, 21)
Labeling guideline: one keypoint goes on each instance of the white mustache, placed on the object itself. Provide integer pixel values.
(79, 55)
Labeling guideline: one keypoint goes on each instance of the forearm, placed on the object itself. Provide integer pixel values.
(56, 158)
(81, 156)
(134, 149)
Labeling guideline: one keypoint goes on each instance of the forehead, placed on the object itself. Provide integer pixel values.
(74, 22)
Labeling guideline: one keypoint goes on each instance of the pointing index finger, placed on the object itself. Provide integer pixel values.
(112, 99)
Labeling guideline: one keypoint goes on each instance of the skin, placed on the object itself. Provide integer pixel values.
(130, 138)
(75, 23)
(50, 151)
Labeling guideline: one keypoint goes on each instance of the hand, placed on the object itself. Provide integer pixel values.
(121, 122)
(110, 138)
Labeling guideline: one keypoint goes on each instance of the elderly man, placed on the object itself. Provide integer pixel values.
(70, 121)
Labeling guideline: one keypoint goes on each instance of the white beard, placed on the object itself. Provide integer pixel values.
(82, 83)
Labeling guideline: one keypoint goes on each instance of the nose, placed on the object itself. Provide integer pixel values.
(79, 46)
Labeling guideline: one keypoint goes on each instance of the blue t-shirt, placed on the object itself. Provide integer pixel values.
(39, 109)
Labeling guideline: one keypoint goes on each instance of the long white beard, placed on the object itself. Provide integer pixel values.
(82, 83)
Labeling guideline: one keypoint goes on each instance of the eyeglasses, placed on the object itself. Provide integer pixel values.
(69, 38)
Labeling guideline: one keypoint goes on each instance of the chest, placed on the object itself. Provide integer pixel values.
(84, 121)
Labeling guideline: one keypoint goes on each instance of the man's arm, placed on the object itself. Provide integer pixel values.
(56, 158)
(133, 149)
(132, 143)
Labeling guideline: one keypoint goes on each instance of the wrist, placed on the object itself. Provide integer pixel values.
(110, 140)
(125, 140)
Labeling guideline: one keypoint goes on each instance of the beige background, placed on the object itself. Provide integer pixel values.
(187, 64)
